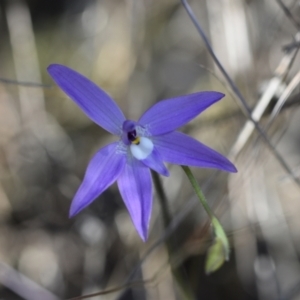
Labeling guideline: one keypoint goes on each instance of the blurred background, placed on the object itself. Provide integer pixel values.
(140, 52)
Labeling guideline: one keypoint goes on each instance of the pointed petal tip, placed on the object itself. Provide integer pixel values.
(230, 167)
(233, 169)
(52, 67)
(143, 233)
(144, 238)
(227, 166)
(74, 211)
(55, 70)
(222, 95)
(218, 95)
(71, 214)
(167, 173)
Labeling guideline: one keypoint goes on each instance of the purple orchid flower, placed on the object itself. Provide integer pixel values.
(141, 146)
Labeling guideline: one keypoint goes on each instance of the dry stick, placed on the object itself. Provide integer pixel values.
(283, 98)
(237, 91)
(281, 73)
(22, 285)
(262, 104)
(276, 110)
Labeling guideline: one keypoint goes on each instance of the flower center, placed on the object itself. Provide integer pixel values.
(132, 138)
(140, 147)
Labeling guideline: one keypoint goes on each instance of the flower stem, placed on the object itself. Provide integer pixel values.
(179, 274)
(162, 199)
(218, 229)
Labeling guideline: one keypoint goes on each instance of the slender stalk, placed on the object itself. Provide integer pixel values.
(162, 199)
(179, 273)
(198, 191)
(218, 229)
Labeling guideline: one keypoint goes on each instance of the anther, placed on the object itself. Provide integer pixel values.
(136, 141)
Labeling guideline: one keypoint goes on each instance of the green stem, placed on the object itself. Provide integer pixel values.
(218, 229)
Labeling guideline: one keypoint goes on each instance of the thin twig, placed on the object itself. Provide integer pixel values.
(283, 98)
(237, 91)
(25, 83)
(288, 14)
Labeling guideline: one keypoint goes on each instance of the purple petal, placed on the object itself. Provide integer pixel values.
(168, 115)
(178, 148)
(135, 186)
(155, 162)
(103, 170)
(96, 104)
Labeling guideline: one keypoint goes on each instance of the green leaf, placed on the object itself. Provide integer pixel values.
(215, 256)
(220, 234)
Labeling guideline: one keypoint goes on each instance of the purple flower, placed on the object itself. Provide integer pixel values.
(142, 145)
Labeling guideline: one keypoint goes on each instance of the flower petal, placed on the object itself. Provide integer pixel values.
(168, 115)
(103, 170)
(155, 162)
(96, 104)
(135, 186)
(178, 148)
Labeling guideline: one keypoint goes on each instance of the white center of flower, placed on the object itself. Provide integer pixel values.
(143, 149)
